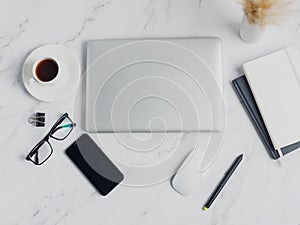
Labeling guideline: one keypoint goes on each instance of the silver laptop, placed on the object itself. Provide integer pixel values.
(154, 85)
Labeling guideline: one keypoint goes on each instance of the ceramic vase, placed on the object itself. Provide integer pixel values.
(250, 32)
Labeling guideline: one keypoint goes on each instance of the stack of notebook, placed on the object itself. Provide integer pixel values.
(270, 93)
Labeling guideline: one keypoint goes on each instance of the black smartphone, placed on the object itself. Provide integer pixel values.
(94, 164)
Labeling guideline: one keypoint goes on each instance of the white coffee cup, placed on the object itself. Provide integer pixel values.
(46, 71)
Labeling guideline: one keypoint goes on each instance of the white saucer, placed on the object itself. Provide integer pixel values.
(69, 67)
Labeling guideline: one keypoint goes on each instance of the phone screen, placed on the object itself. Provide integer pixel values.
(94, 164)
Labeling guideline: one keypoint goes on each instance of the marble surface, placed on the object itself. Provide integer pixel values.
(262, 191)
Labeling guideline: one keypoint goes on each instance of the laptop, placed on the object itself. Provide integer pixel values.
(154, 85)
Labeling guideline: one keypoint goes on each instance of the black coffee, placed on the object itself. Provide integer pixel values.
(46, 70)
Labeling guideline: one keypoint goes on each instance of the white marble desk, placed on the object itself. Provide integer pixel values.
(262, 191)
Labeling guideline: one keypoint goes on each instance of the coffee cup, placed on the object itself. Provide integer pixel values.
(46, 70)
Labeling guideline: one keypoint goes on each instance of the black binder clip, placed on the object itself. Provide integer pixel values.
(37, 119)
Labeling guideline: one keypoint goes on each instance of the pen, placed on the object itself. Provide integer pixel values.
(222, 183)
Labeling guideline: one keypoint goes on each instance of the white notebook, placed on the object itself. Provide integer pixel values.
(275, 83)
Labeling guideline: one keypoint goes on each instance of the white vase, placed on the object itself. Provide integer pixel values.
(250, 32)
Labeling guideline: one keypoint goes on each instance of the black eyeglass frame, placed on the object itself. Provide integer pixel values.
(55, 127)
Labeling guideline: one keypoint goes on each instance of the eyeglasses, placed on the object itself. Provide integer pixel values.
(60, 131)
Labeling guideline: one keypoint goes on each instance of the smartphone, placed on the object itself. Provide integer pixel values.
(94, 164)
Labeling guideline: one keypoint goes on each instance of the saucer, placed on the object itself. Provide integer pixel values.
(69, 67)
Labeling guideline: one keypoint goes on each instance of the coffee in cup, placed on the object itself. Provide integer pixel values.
(46, 70)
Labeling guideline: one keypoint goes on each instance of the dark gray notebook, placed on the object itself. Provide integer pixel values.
(243, 90)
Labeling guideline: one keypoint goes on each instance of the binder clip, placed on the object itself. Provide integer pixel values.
(37, 119)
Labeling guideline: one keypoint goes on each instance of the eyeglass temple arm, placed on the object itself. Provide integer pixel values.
(65, 126)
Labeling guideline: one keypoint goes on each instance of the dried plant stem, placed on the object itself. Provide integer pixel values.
(268, 12)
